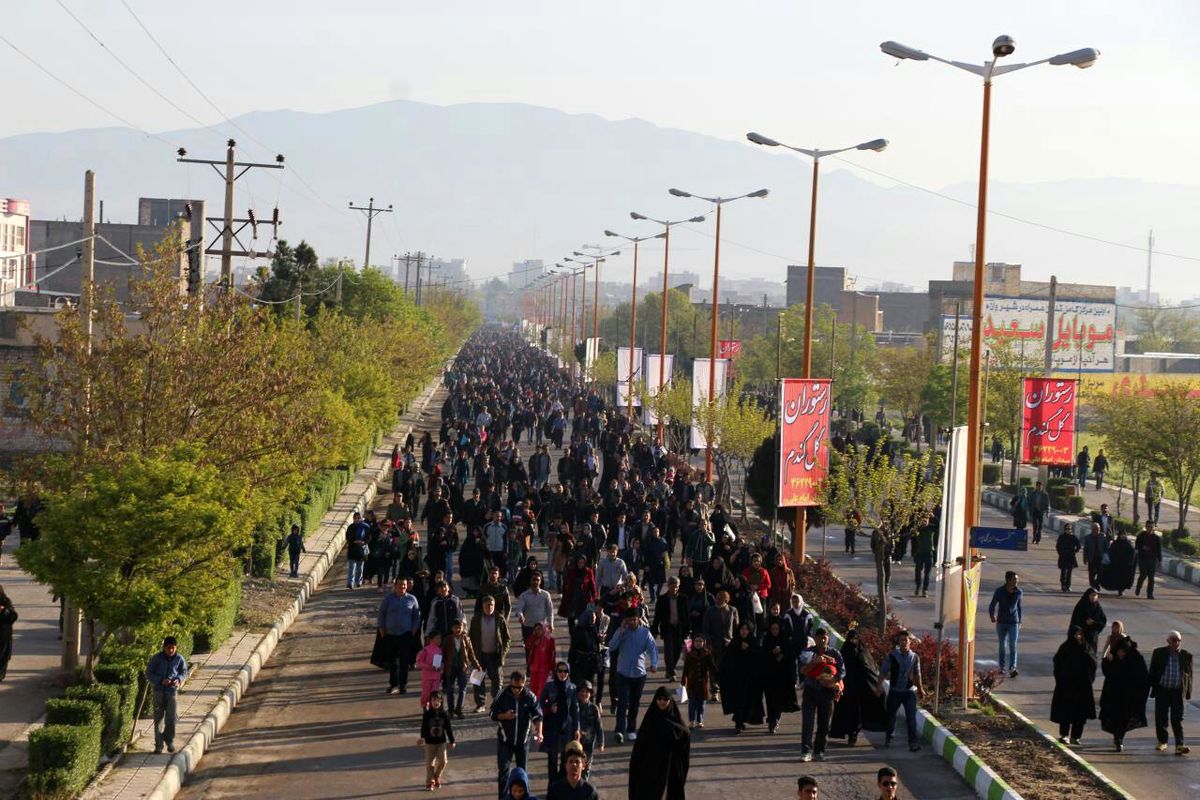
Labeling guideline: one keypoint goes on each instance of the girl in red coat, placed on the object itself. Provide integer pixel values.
(540, 655)
(429, 661)
(579, 590)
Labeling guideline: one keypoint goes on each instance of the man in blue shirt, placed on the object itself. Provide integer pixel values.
(399, 621)
(902, 668)
(165, 672)
(1005, 612)
(631, 644)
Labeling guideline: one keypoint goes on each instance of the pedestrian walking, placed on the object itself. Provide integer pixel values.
(295, 546)
(824, 670)
(165, 673)
(429, 661)
(658, 765)
(1039, 505)
(779, 674)
(518, 717)
(1153, 496)
(699, 674)
(924, 545)
(1005, 613)
(516, 787)
(560, 720)
(573, 785)
(1099, 467)
(862, 704)
(1126, 687)
(1116, 574)
(888, 781)
(490, 641)
(633, 646)
(1171, 687)
(1019, 506)
(540, 655)
(591, 725)
(1095, 546)
(902, 669)
(1083, 460)
(357, 551)
(1088, 615)
(1149, 558)
(1074, 700)
(807, 788)
(1067, 545)
(8, 618)
(398, 625)
(458, 662)
(670, 624)
(437, 736)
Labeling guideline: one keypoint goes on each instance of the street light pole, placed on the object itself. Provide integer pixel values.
(633, 307)
(1001, 47)
(712, 360)
(800, 540)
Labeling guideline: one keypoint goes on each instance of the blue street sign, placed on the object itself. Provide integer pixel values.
(1000, 538)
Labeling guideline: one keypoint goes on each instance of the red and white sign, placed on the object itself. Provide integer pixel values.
(729, 348)
(1048, 421)
(804, 405)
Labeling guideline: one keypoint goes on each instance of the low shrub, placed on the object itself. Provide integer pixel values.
(124, 678)
(1025, 480)
(220, 624)
(1058, 502)
(992, 474)
(63, 758)
(1075, 504)
(108, 700)
(73, 711)
(1051, 483)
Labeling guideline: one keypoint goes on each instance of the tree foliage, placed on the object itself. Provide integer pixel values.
(904, 375)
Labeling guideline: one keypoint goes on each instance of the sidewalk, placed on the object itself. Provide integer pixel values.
(219, 678)
(33, 670)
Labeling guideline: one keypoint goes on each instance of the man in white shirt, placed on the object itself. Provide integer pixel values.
(534, 606)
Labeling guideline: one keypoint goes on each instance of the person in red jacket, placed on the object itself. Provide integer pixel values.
(541, 657)
(579, 589)
(758, 579)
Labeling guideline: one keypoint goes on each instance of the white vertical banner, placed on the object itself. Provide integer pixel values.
(625, 375)
(591, 353)
(954, 515)
(700, 377)
(653, 364)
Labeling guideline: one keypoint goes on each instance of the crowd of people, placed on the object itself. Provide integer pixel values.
(650, 573)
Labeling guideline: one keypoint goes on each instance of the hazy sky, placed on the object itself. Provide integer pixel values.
(810, 73)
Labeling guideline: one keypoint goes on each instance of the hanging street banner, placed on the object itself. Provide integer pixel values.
(804, 406)
(951, 543)
(729, 348)
(1048, 421)
(1083, 340)
(651, 372)
(700, 369)
(625, 377)
(972, 577)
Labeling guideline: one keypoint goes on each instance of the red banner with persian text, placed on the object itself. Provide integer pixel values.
(1048, 421)
(804, 405)
(729, 348)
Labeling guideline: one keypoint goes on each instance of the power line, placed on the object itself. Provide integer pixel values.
(80, 94)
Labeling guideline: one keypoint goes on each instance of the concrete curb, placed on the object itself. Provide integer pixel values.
(1175, 566)
(185, 760)
(1078, 759)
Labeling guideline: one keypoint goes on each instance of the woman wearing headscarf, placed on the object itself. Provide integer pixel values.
(1020, 508)
(1126, 687)
(779, 673)
(1073, 703)
(1117, 574)
(1089, 617)
(658, 765)
(862, 705)
(742, 679)
(583, 655)
(8, 617)
(578, 590)
(1067, 545)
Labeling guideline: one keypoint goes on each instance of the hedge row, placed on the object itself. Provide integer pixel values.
(64, 754)
(220, 623)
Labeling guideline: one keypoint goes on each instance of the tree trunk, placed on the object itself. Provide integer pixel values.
(1135, 499)
(879, 582)
(1012, 442)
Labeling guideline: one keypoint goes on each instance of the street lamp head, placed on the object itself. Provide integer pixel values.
(577, 253)
(874, 144)
(1003, 46)
(1077, 58)
(611, 233)
(636, 215)
(759, 193)
(696, 219)
(897, 50)
(758, 138)
(679, 193)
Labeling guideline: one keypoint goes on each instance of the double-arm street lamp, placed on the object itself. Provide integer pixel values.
(596, 260)
(662, 348)
(1001, 47)
(633, 308)
(712, 361)
(816, 154)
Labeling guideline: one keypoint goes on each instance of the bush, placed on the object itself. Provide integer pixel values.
(1180, 540)
(220, 624)
(1051, 483)
(123, 678)
(63, 758)
(1058, 502)
(73, 711)
(1025, 480)
(108, 700)
(992, 474)
(1075, 504)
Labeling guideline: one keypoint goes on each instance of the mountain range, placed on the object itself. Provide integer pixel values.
(497, 183)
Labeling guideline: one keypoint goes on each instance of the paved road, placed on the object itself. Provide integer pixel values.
(1140, 770)
(317, 724)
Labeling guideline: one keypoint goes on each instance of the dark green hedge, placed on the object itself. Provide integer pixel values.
(1075, 504)
(63, 758)
(124, 678)
(221, 623)
(108, 700)
(992, 474)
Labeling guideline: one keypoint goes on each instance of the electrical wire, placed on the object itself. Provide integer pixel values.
(51, 274)
(80, 94)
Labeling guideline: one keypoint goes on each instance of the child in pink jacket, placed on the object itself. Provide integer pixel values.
(429, 661)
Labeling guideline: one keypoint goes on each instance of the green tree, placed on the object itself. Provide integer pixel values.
(155, 551)
(293, 270)
(1170, 438)
(889, 495)
(740, 426)
(1122, 421)
(903, 378)
(1167, 329)
(936, 396)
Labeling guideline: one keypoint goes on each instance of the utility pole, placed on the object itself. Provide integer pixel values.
(371, 211)
(1149, 261)
(227, 233)
(418, 291)
(72, 615)
(1048, 356)
(407, 261)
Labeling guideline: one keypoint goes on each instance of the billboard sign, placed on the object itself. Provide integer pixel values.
(804, 405)
(1084, 337)
(1048, 421)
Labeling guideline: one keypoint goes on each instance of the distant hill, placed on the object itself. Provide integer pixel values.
(496, 183)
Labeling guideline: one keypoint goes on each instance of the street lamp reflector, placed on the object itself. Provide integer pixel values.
(1077, 58)
(759, 193)
(758, 138)
(874, 144)
(611, 233)
(636, 215)
(696, 219)
(679, 193)
(1003, 46)
(897, 50)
